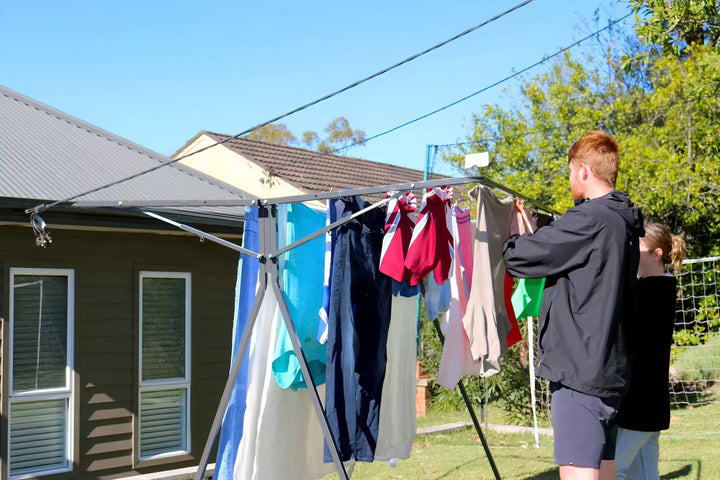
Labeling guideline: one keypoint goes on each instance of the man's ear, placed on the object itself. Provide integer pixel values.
(585, 172)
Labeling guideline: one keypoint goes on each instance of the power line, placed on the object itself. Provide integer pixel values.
(569, 125)
(39, 208)
(509, 77)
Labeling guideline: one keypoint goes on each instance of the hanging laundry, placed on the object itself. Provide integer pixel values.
(430, 248)
(245, 291)
(486, 320)
(437, 297)
(302, 279)
(359, 319)
(283, 437)
(330, 237)
(457, 359)
(398, 425)
(514, 335)
(527, 297)
(399, 225)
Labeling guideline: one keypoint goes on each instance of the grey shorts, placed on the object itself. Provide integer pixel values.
(584, 427)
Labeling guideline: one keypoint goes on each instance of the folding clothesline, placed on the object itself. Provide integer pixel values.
(268, 255)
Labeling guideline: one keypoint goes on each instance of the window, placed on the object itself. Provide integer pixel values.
(164, 419)
(41, 367)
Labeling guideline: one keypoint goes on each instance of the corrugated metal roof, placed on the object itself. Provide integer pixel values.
(47, 154)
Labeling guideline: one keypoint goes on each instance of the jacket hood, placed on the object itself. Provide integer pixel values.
(621, 204)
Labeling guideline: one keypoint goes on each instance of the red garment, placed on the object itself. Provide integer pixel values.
(399, 225)
(514, 335)
(431, 244)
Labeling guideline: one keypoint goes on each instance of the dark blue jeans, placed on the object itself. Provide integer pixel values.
(359, 318)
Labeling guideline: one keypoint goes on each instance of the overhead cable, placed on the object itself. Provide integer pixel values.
(509, 77)
(40, 208)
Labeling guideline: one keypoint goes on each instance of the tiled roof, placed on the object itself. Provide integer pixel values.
(312, 171)
(49, 155)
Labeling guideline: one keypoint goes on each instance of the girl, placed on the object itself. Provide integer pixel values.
(645, 409)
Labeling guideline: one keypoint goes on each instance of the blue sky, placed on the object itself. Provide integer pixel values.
(157, 72)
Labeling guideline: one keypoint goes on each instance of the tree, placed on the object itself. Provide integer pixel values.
(275, 133)
(666, 116)
(339, 136)
(674, 25)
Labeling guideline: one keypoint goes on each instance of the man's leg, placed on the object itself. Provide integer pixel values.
(584, 441)
(605, 472)
(571, 472)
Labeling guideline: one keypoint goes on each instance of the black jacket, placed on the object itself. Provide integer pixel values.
(590, 257)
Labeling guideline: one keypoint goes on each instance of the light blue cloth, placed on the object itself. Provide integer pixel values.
(302, 284)
(232, 427)
(437, 297)
(637, 455)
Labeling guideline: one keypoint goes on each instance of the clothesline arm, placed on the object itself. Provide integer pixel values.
(308, 197)
(201, 234)
(333, 226)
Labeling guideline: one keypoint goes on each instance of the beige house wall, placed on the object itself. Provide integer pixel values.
(238, 171)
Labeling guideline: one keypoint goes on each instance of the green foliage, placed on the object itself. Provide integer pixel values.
(275, 133)
(339, 136)
(666, 116)
(674, 25)
(699, 360)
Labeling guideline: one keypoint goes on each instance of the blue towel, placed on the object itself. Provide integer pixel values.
(302, 284)
(232, 427)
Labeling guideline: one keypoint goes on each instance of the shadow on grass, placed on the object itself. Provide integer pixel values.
(679, 473)
(551, 474)
(454, 470)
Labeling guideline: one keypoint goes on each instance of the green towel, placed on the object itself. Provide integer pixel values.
(527, 297)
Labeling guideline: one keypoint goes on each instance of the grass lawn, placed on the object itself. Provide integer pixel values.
(689, 450)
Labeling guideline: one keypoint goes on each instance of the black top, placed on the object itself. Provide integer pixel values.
(646, 406)
(589, 257)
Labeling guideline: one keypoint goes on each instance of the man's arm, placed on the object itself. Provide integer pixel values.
(553, 249)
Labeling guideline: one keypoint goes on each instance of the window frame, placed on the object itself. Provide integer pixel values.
(165, 384)
(47, 394)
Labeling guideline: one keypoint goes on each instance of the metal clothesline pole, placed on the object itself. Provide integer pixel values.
(471, 411)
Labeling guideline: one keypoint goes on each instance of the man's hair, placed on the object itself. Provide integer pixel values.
(599, 151)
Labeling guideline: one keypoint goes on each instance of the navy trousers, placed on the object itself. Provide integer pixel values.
(359, 319)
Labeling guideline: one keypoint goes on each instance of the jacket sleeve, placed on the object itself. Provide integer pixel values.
(556, 248)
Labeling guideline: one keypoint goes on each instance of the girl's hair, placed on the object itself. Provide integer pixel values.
(672, 246)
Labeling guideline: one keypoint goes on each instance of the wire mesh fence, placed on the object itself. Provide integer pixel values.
(695, 358)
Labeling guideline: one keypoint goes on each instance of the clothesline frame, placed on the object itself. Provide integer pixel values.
(269, 277)
(308, 197)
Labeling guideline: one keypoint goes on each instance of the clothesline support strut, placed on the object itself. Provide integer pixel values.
(471, 411)
(201, 234)
(269, 278)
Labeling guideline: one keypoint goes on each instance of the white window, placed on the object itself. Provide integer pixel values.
(41, 422)
(164, 417)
